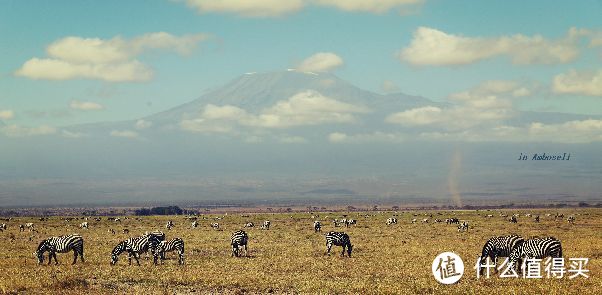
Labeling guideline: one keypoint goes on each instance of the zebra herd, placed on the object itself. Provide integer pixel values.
(518, 249)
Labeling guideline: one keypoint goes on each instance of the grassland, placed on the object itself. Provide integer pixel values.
(289, 258)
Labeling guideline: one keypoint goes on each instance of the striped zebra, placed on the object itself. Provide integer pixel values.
(265, 225)
(238, 240)
(195, 224)
(500, 246)
(391, 220)
(317, 226)
(163, 247)
(536, 218)
(3, 226)
(83, 225)
(463, 227)
(513, 219)
(134, 247)
(537, 248)
(338, 239)
(157, 234)
(30, 226)
(169, 225)
(249, 224)
(349, 222)
(215, 225)
(61, 244)
(571, 219)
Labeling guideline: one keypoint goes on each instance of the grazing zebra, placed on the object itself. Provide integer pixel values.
(21, 227)
(266, 225)
(528, 215)
(195, 224)
(536, 218)
(513, 219)
(238, 240)
(391, 220)
(500, 246)
(438, 220)
(350, 222)
(3, 226)
(135, 246)
(338, 239)
(215, 225)
(117, 219)
(571, 219)
(30, 226)
(249, 224)
(452, 220)
(537, 248)
(84, 225)
(463, 226)
(169, 225)
(176, 244)
(61, 244)
(317, 226)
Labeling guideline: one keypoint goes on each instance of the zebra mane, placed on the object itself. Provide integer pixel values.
(41, 246)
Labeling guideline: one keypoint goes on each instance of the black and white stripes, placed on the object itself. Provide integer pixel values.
(500, 246)
(338, 239)
(176, 244)
(61, 244)
(537, 248)
(238, 240)
(135, 246)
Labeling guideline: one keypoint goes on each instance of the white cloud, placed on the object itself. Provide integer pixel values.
(433, 47)
(293, 139)
(85, 105)
(579, 82)
(377, 136)
(374, 6)
(6, 114)
(142, 124)
(70, 134)
(112, 60)
(20, 131)
(321, 62)
(303, 109)
(389, 86)
(255, 8)
(124, 133)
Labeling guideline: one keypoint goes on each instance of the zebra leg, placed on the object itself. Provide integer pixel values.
(234, 251)
(343, 252)
(181, 257)
(74, 257)
(56, 262)
(328, 247)
(81, 254)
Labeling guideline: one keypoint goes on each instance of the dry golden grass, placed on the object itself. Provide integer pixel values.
(289, 258)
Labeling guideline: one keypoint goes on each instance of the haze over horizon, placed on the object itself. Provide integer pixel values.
(401, 104)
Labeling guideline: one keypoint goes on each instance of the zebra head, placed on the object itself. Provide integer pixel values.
(39, 253)
(116, 251)
(516, 254)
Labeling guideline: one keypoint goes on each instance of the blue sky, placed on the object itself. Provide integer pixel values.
(228, 40)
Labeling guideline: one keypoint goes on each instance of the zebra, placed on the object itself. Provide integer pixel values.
(125, 231)
(21, 227)
(513, 219)
(426, 220)
(391, 220)
(238, 240)
(215, 225)
(463, 226)
(135, 246)
(169, 225)
(266, 225)
(249, 224)
(60, 244)
(571, 219)
(317, 226)
(30, 226)
(195, 224)
(338, 239)
(350, 222)
(111, 231)
(537, 248)
(3, 226)
(452, 220)
(536, 218)
(163, 247)
(414, 220)
(500, 246)
(84, 225)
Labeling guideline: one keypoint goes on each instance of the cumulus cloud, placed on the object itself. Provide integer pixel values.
(374, 6)
(303, 109)
(112, 60)
(124, 133)
(434, 47)
(6, 114)
(142, 124)
(579, 82)
(256, 8)
(321, 62)
(21, 131)
(85, 105)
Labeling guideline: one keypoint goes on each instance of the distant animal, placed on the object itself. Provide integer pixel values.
(84, 225)
(126, 231)
(528, 215)
(238, 240)
(215, 225)
(338, 239)
(452, 220)
(414, 220)
(265, 225)
(117, 219)
(134, 247)
(489, 216)
(537, 248)
(496, 247)
(163, 247)
(195, 224)
(350, 222)
(317, 226)
(391, 220)
(3, 226)
(169, 225)
(21, 227)
(463, 226)
(438, 220)
(513, 219)
(536, 218)
(60, 244)
(571, 219)
(111, 231)
(426, 220)
(249, 224)
(30, 226)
